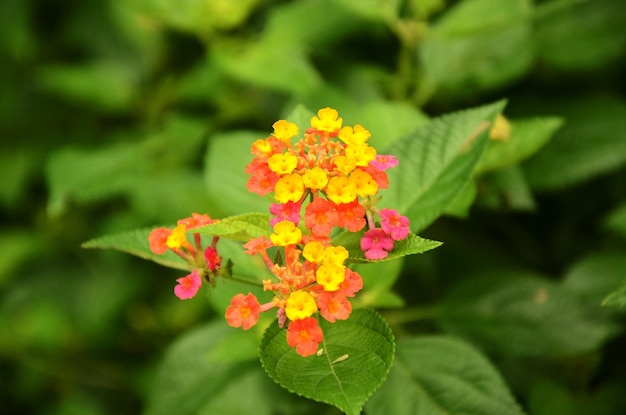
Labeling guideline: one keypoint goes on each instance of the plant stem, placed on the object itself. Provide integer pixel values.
(245, 281)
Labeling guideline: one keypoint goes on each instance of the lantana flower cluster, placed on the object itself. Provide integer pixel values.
(328, 179)
(205, 263)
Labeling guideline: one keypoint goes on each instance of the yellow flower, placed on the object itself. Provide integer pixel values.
(300, 305)
(330, 276)
(285, 233)
(315, 178)
(335, 255)
(289, 188)
(313, 252)
(340, 190)
(284, 130)
(345, 164)
(282, 163)
(361, 153)
(364, 183)
(177, 238)
(356, 135)
(327, 120)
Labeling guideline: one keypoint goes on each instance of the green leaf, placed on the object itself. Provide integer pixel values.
(574, 35)
(355, 359)
(225, 162)
(527, 136)
(193, 379)
(437, 375)
(521, 314)
(506, 189)
(593, 142)
(616, 221)
(436, 162)
(136, 243)
(478, 45)
(378, 281)
(413, 244)
(238, 228)
(617, 298)
(595, 276)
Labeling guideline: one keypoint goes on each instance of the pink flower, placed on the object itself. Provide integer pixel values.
(289, 211)
(376, 244)
(188, 286)
(213, 260)
(396, 225)
(384, 162)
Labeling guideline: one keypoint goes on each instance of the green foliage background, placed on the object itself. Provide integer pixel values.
(125, 114)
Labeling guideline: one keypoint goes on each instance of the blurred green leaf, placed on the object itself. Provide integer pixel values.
(436, 162)
(268, 65)
(413, 244)
(617, 298)
(136, 243)
(527, 137)
(616, 221)
(375, 10)
(190, 380)
(17, 246)
(593, 277)
(378, 282)
(548, 398)
(439, 375)
(240, 227)
(592, 143)
(506, 189)
(225, 163)
(576, 35)
(106, 85)
(356, 358)
(521, 314)
(478, 45)
(200, 17)
(462, 203)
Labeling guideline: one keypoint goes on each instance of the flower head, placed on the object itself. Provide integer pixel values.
(285, 233)
(334, 306)
(284, 130)
(158, 240)
(394, 224)
(320, 217)
(300, 304)
(178, 238)
(327, 120)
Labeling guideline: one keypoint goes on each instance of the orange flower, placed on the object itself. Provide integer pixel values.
(243, 311)
(305, 335)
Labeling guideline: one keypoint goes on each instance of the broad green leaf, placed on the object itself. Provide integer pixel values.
(256, 63)
(478, 45)
(595, 276)
(436, 162)
(225, 163)
(198, 16)
(136, 243)
(413, 244)
(593, 142)
(378, 281)
(355, 358)
(301, 116)
(527, 136)
(547, 397)
(521, 314)
(505, 190)
(574, 35)
(462, 203)
(375, 10)
(616, 221)
(239, 228)
(617, 298)
(437, 375)
(193, 379)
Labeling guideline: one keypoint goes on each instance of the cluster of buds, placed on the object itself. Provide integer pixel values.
(338, 175)
(205, 263)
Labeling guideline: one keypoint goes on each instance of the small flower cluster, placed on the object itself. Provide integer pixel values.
(204, 263)
(334, 168)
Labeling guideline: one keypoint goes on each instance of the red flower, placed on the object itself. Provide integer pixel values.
(157, 239)
(305, 335)
(243, 311)
(213, 260)
(334, 306)
(262, 180)
(320, 217)
(351, 216)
